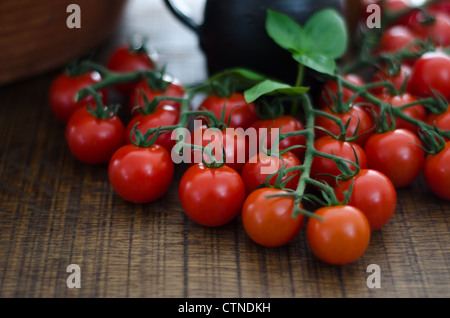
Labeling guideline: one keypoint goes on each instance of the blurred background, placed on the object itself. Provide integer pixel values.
(35, 39)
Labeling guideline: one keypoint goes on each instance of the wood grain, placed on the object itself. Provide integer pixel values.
(55, 211)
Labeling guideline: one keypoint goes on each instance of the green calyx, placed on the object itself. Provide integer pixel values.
(101, 111)
(213, 162)
(432, 140)
(159, 80)
(437, 103)
(150, 106)
(143, 140)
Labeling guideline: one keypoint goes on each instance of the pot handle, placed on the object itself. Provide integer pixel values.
(187, 21)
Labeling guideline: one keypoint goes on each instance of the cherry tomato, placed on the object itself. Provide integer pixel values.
(431, 71)
(166, 115)
(439, 7)
(261, 166)
(64, 89)
(141, 175)
(125, 59)
(233, 141)
(211, 196)
(285, 124)
(395, 39)
(341, 237)
(174, 89)
(269, 221)
(360, 123)
(442, 120)
(396, 154)
(92, 140)
(437, 31)
(329, 91)
(417, 112)
(243, 114)
(373, 193)
(342, 149)
(436, 171)
(397, 80)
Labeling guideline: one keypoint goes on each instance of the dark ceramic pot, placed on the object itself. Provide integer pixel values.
(233, 33)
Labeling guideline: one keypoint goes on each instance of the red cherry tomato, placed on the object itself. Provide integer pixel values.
(64, 89)
(431, 71)
(92, 140)
(261, 166)
(437, 31)
(165, 115)
(341, 237)
(269, 221)
(243, 114)
(436, 171)
(211, 196)
(285, 124)
(395, 39)
(417, 112)
(396, 154)
(439, 7)
(373, 193)
(174, 89)
(342, 149)
(329, 91)
(141, 175)
(360, 124)
(397, 80)
(124, 60)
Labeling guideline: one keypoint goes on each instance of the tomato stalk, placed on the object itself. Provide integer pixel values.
(150, 106)
(298, 83)
(396, 111)
(110, 79)
(101, 111)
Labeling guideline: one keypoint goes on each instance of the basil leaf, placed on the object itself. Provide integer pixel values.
(316, 61)
(286, 32)
(269, 87)
(329, 31)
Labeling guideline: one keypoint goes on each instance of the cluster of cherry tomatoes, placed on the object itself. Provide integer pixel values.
(380, 150)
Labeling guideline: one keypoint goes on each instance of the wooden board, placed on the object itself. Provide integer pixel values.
(55, 211)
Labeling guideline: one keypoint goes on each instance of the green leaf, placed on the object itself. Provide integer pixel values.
(286, 32)
(316, 61)
(225, 82)
(269, 87)
(328, 30)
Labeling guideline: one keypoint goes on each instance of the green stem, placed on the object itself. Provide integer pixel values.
(298, 83)
(310, 150)
(112, 79)
(396, 111)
